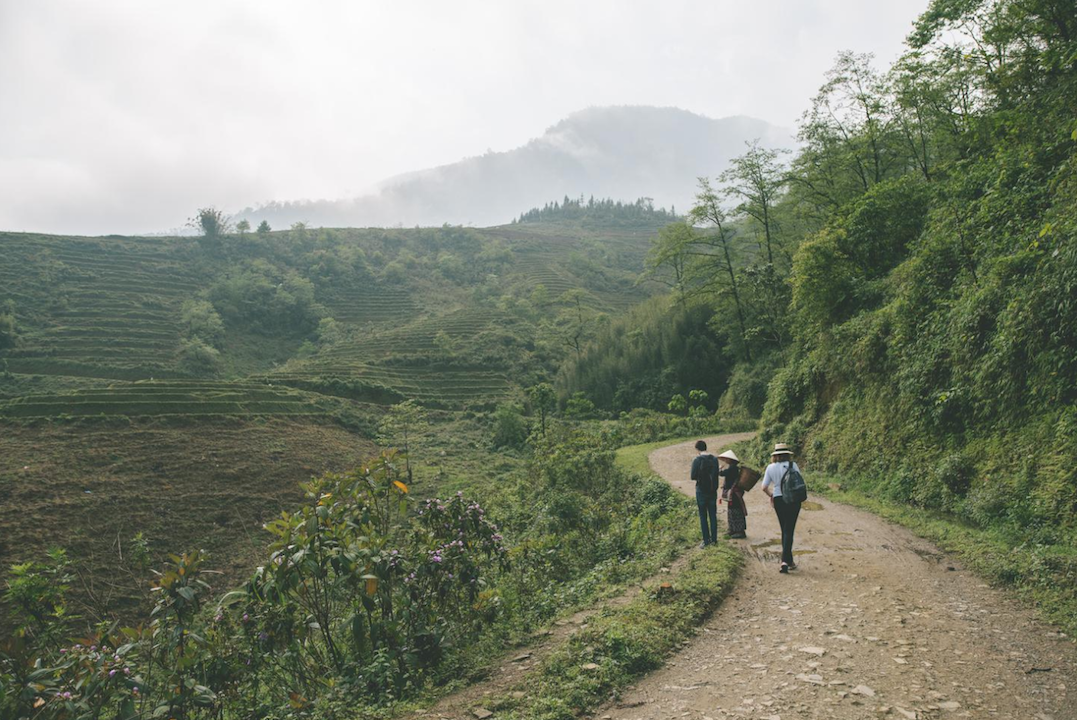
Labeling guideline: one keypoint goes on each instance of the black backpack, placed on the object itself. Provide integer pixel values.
(708, 474)
(793, 487)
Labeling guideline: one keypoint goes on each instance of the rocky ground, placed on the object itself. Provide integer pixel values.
(874, 623)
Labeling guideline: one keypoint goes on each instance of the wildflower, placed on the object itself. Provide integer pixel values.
(134, 690)
(127, 671)
(246, 617)
(112, 673)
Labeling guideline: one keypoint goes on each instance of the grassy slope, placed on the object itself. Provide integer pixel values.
(90, 487)
(196, 464)
(623, 642)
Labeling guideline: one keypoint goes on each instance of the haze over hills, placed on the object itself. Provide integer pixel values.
(621, 152)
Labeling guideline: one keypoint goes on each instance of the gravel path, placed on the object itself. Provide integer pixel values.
(875, 623)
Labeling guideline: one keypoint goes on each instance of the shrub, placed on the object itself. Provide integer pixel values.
(198, 359)
(510, 427)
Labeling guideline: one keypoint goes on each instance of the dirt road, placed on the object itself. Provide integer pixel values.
(875, 623)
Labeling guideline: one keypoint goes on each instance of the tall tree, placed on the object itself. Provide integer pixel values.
(716, 246)
(757, 178)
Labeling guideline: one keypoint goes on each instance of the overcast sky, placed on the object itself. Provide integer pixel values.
(126, 115)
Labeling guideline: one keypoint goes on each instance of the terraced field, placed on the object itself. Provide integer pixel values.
(96, 307)
(420, 370)
(102, 436)
(156, 399)
(210, 484)
(369, 303)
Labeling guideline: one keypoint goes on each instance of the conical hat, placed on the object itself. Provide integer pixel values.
(729, 455)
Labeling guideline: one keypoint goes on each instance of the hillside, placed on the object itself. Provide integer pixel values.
(914, 329)
(182, 388)
(621, 152)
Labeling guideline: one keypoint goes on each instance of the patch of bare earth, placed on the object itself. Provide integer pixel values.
(874, 623)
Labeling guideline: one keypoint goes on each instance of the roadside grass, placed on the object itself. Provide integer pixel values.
(634, 458)
(623, 643)
(1043, 575)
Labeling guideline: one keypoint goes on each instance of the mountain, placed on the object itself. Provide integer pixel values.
(621, 152)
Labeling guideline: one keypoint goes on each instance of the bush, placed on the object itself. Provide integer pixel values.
(198, 359)
(201, 322)
(510, 427)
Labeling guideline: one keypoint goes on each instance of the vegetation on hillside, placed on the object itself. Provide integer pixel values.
(365, 596)
(908, 279)
(604, 213)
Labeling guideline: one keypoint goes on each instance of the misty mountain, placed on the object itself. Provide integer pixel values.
(617, 152)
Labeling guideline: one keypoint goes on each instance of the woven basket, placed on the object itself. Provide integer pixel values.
(748, 478)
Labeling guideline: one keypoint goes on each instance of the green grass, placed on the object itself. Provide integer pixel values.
(634, 458)
(629, 640)
(625, 642)
(166, 398)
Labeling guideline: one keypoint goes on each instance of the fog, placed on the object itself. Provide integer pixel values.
(126, 116)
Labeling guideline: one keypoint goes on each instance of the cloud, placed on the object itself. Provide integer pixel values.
(124, 116)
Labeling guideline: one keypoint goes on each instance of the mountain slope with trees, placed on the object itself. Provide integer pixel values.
(908, 281)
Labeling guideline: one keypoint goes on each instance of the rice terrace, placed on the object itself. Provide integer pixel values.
(716, 363)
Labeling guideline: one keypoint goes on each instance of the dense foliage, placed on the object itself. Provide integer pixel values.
(899, 297)
(934, 307)
(364, 598)
(646, 357)
(607, 212)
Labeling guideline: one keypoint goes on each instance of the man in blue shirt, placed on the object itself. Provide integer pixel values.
(705, 475)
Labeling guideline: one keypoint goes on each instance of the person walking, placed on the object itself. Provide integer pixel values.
(736, 514)
(705, 475)
(787, 510)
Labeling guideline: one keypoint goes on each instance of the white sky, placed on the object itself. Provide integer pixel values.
(126, 115)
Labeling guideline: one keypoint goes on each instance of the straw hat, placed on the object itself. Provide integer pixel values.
(782, 449)
(729, 455)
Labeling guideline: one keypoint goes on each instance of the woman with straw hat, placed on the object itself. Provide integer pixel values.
(736, 512)
(787, 509)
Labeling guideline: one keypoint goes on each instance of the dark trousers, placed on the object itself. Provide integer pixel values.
(708, 513)
(787, 519)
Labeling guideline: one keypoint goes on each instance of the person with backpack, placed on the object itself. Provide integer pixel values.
(784, 484)
(736, 510)
(705, 475)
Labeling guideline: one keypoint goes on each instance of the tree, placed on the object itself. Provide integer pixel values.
(199, 359)
(677, 404)
(667, 261)
(709, 213)
(575, 321)
(757, 178)
(543, 400)
(210, 221)
(200, 321)
(510, 428)
(848, 135)
(400, 426)
(263, 228)
(243, 226)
